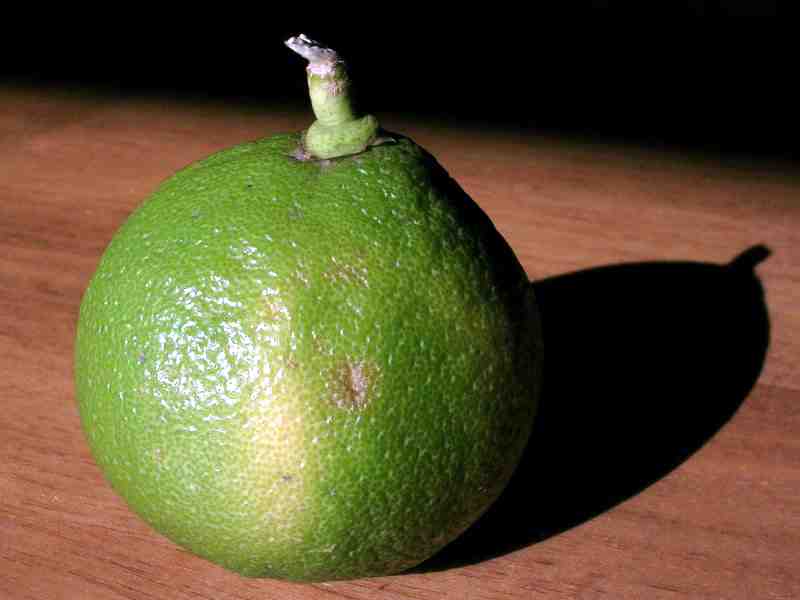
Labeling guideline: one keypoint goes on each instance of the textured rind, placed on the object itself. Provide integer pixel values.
(311, 370)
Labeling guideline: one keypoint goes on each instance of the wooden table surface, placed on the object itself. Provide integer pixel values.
(665, 464)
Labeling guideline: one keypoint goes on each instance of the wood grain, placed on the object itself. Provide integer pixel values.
(724, 524)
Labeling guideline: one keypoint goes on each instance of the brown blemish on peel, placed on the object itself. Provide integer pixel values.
(353, 384)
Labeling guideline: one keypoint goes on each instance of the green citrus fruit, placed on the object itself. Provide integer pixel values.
(312, 369)
(305, 368)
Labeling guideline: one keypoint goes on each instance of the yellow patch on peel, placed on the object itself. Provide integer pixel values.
(273, 446)
(276, 467)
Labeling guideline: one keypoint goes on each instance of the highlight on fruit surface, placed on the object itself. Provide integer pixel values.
(310, 356)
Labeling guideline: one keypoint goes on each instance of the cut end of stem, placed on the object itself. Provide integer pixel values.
(321, 59)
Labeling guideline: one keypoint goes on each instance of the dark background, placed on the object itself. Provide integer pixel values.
(714, 76)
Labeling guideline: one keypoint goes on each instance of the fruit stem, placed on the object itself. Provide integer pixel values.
(338, 130)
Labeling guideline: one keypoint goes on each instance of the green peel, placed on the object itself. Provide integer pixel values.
(338, 130)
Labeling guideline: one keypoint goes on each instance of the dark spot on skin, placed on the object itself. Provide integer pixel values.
(353, 381)
(286, 478)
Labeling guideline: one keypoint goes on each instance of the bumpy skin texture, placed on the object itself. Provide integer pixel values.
(311, 370)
